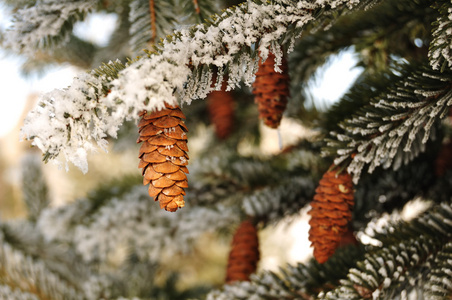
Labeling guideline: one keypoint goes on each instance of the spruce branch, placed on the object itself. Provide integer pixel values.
(31, 276)
(197, 11)
(395, 127)
(438, 284)
(301, 281)
(25, 239)
(35, 192)
(129, 220)
(46, 24)
(440, 54)
(171, 74)
(403, 260)
(72, 122)
(7, 292)
(76, 52)
(392, 24)
(274, 202)
(149, 21)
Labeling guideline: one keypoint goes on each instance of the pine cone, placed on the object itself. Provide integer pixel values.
(271, 90)
(244, 254)
(163, 155)
(331, 211)
(443, 161)
(221, 112)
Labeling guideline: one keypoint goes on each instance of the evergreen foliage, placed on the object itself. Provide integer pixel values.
(387, 131)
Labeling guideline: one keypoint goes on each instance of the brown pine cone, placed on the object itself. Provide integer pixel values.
(163, 155)
(443, 161)
(244, 254)
(331, 212)
(221, 112)
(271, 90)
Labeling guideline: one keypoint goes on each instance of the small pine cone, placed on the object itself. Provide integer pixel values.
(331, 212)
(221, 112)
(244, 254)
(163, 155)
(271, 90)
(443, 161)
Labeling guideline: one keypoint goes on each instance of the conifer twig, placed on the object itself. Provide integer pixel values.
(153, 24)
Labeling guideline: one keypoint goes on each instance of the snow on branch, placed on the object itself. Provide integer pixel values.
(46, 24)
(72, 120)
(300, 281)
(30, 276)
(129, 220)
(385, 272)
(394, 128)
(440, 52)
(179, 71)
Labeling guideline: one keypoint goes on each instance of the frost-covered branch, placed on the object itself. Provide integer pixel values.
(30, 277)
(301, 281)
(439, 283)
(409, 249)
(72, 120)
(395, 127)
(286, 198)
(440, 52)
(180, 71)
(46, 24)
(35, 191)
(131, 221)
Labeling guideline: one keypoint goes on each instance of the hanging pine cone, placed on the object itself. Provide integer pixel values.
(271, 90)
(443, 161)
(331, 212)
(163, 155)
(244, 254)
(221, 111)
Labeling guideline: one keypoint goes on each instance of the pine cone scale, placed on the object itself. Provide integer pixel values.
(177, 176)
(182, 145)
(173, 191)
(173, 150)
(182, 183)
(166, 122)
(153, 157)
(162, 182)
(150, 130)
(161, 140)
(166, 167)
(146, 147)
(151, 174)
(153, 191)
(175, 133)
